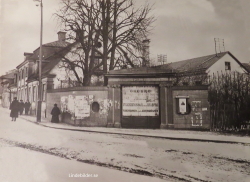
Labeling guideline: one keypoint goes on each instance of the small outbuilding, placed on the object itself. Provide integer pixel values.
(148, 97)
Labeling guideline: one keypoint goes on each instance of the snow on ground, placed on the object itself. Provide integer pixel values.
(20, 165)
(171, 160)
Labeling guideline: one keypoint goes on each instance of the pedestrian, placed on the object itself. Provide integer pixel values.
(21, 107)
(55, 114)
(14, 107)
(27, 107)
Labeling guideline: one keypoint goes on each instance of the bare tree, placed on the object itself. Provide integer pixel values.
(111, 30)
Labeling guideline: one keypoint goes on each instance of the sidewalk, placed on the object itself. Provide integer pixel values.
(185, 135)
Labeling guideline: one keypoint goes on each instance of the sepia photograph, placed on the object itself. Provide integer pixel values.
(124, 90)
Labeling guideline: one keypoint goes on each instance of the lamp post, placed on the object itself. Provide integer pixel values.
(39, 103)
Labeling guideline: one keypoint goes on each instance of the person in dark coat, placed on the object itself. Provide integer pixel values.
(14, 107)
(27, 107)
(21, 107)
(55, 114)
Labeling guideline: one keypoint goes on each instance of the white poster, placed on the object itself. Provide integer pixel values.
(64, 103)
(71, 103)
(82, 107)
(183, 105)
(140, 101)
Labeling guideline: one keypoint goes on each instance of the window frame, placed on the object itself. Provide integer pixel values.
(228, 66)
(44, 92)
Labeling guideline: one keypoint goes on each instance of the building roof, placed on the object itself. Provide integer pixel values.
(7, 78)
(52, 61)
(9, 75)
(247, 66)
(57, 44)
(194, 64)
(199, 64)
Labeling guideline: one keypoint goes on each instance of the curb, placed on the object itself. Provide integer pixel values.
(141, 135)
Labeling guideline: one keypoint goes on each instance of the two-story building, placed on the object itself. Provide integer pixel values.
(27, 72)
(9, 87)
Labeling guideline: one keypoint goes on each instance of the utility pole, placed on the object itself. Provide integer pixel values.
(39, 103)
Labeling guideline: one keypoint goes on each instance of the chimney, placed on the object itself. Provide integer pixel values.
(61, 36)
(145, 52)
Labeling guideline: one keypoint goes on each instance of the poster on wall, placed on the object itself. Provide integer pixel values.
(77, 105)
(82, 107)
(64, 103)
(140, 101)
(183, 105)
(71, 103)
(196, 119)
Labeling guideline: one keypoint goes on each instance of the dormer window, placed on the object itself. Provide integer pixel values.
(227, 66)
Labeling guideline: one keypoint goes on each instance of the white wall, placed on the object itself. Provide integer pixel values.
(219, 66)
(63, 74)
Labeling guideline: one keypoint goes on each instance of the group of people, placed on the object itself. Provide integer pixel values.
(17, 107)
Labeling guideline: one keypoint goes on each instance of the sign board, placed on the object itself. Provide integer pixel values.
(183, 105)
(82, 107)
(79, 106)
(140, 101)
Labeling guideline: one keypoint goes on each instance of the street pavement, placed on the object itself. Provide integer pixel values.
(171, 160)
(20, 165)
(186, 135)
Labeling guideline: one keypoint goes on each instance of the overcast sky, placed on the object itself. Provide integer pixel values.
(184, 28)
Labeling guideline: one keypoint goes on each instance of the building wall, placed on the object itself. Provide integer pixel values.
(65, 78)
(8, 95)
(79, 112)
(32, 97)
(6, 100)
(197, 99)
(22, 76)
(219, 66)
(61, 75)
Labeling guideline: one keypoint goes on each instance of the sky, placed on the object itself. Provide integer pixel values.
(183, 29)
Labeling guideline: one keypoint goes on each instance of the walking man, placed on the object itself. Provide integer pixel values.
(14, 107)
(21, 107)
(27, 107)
(55, 114)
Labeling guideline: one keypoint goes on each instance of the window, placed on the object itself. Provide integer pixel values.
(21, 94)
(29, 94)
(44, 92)
(227, 66)
(22, 74)
(15, 79)
(27, 72)
(34, 93)
(25, 94)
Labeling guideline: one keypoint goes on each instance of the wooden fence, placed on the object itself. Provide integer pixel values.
(229, 97)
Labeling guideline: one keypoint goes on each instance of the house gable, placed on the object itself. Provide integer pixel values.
(226, 64)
